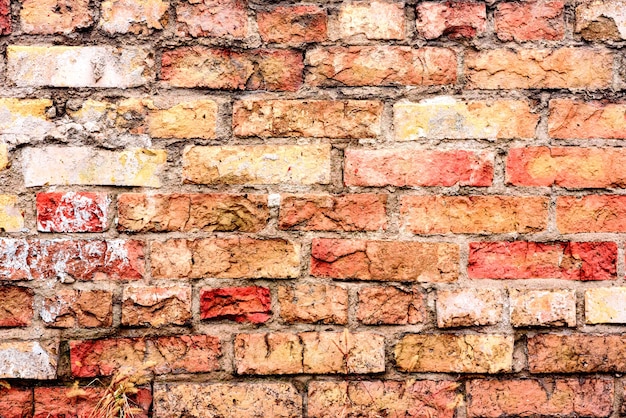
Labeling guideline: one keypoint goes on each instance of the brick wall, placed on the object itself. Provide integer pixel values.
(327, 209)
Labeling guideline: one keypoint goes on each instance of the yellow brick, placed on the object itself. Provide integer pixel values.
(191, 119)
(605, 305)
(11, 219)
(4, 156)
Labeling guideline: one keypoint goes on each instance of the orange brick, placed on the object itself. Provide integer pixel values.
(453, 19)
(593, 213)
(293, 25)
(70, 308)
(47, 17)
(212, 18)
(573, 119)
(391, 305)
(313, 303)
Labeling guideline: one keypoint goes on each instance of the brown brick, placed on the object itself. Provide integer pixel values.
(313, 303)
(469, 307)
(530, 308)
(212, 18)
(530, 21)
(391, 305)
(156, 306)
(241, 304)
(454, 19)
(573, 119)
(47, 17)
(16, 306)
(70, 308)
(293, 25)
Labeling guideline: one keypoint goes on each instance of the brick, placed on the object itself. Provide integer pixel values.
(601, 20)
(16, 306)
(293, 25)
(240, 304)
(380, 66)
(358, 212)
(47, 17)
(212, 18)
(70, 308)
(163, 355)
(573, 119)
(584, 353)
(308, 118)
(449, 353)
(552, 308)
(79, 66)
(537, 260)
(384, 260)
(24, 120)
(187, 119)
(14, 259)
(605, 305)
(532, 21)
(569, 167)
(546, 397)
(391, 305)
(474, 214)
(407, 167)
(72, 212)
(29, 359)
(275, 353)
(257, 164)
(593, 213)
(242, 400)
(468, 307)
(5, 17)
(371, 20)
(198, 66)
(4, 157)
(139, 212)
(11, 218)
(156, 306)
(401, 399)
(16, 403)
(313, 303)
(567, 68)
(445, 117)
(89, 166)
(133, 16)
(225, 258)
(455, 19)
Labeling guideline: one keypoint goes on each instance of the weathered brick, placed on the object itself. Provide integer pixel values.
(578, 353)
(241, 400)
(79, 66)
(445, 117)
(133, 16)
(400, 399)
(29, 359)
(163, 355)
(199, 66)
(70, 308)
(241, 304)
(5, 17)
(16, 403)
(468, 307)
(408, 167)
(490, 398)
(293, 25)
(24, 120)
(275, 353)
(450, 353)
(605, 305)
(16, 306)
(72, 212)
(90, 166)
(570, 167)
(48, 17)
(187, 119)
(11, 218)
(601, 20)
(370, 20)
(4, 156)
(227, 258)
(575, 68)
(257, 164)
(474, 214)
(14, 260)
(573, 119)
(313, 303)
(454, 19)
(212, 18)
(307, 118)
(391, 305)
(384, 260)
(593, 213)
(380, 66)
(530, 21)
(190, 212)
(156, 306)
(537, 260)
(358, 212)
(554, 308)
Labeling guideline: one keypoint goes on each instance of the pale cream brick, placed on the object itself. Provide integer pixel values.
(29, 359)
(468, 307)
(605, 305)
(371, 20)
(543, 307)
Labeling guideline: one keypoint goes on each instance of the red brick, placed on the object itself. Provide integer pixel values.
(536, 260)
(313, 303)
(573, 119)
(16, 306)
(72, 212)
(417, 168)
(380, 66)
(593, 213)
(589, 397)
(70, 308)
(530, 21)
(212, 68)
(454, 19)
(384, 260)
(391, 305)
(213, 18)
(241, 304)
(293, 25)
(359, 212)
(156, 306)
(570, 167)
(5, 17)
(16, 403)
